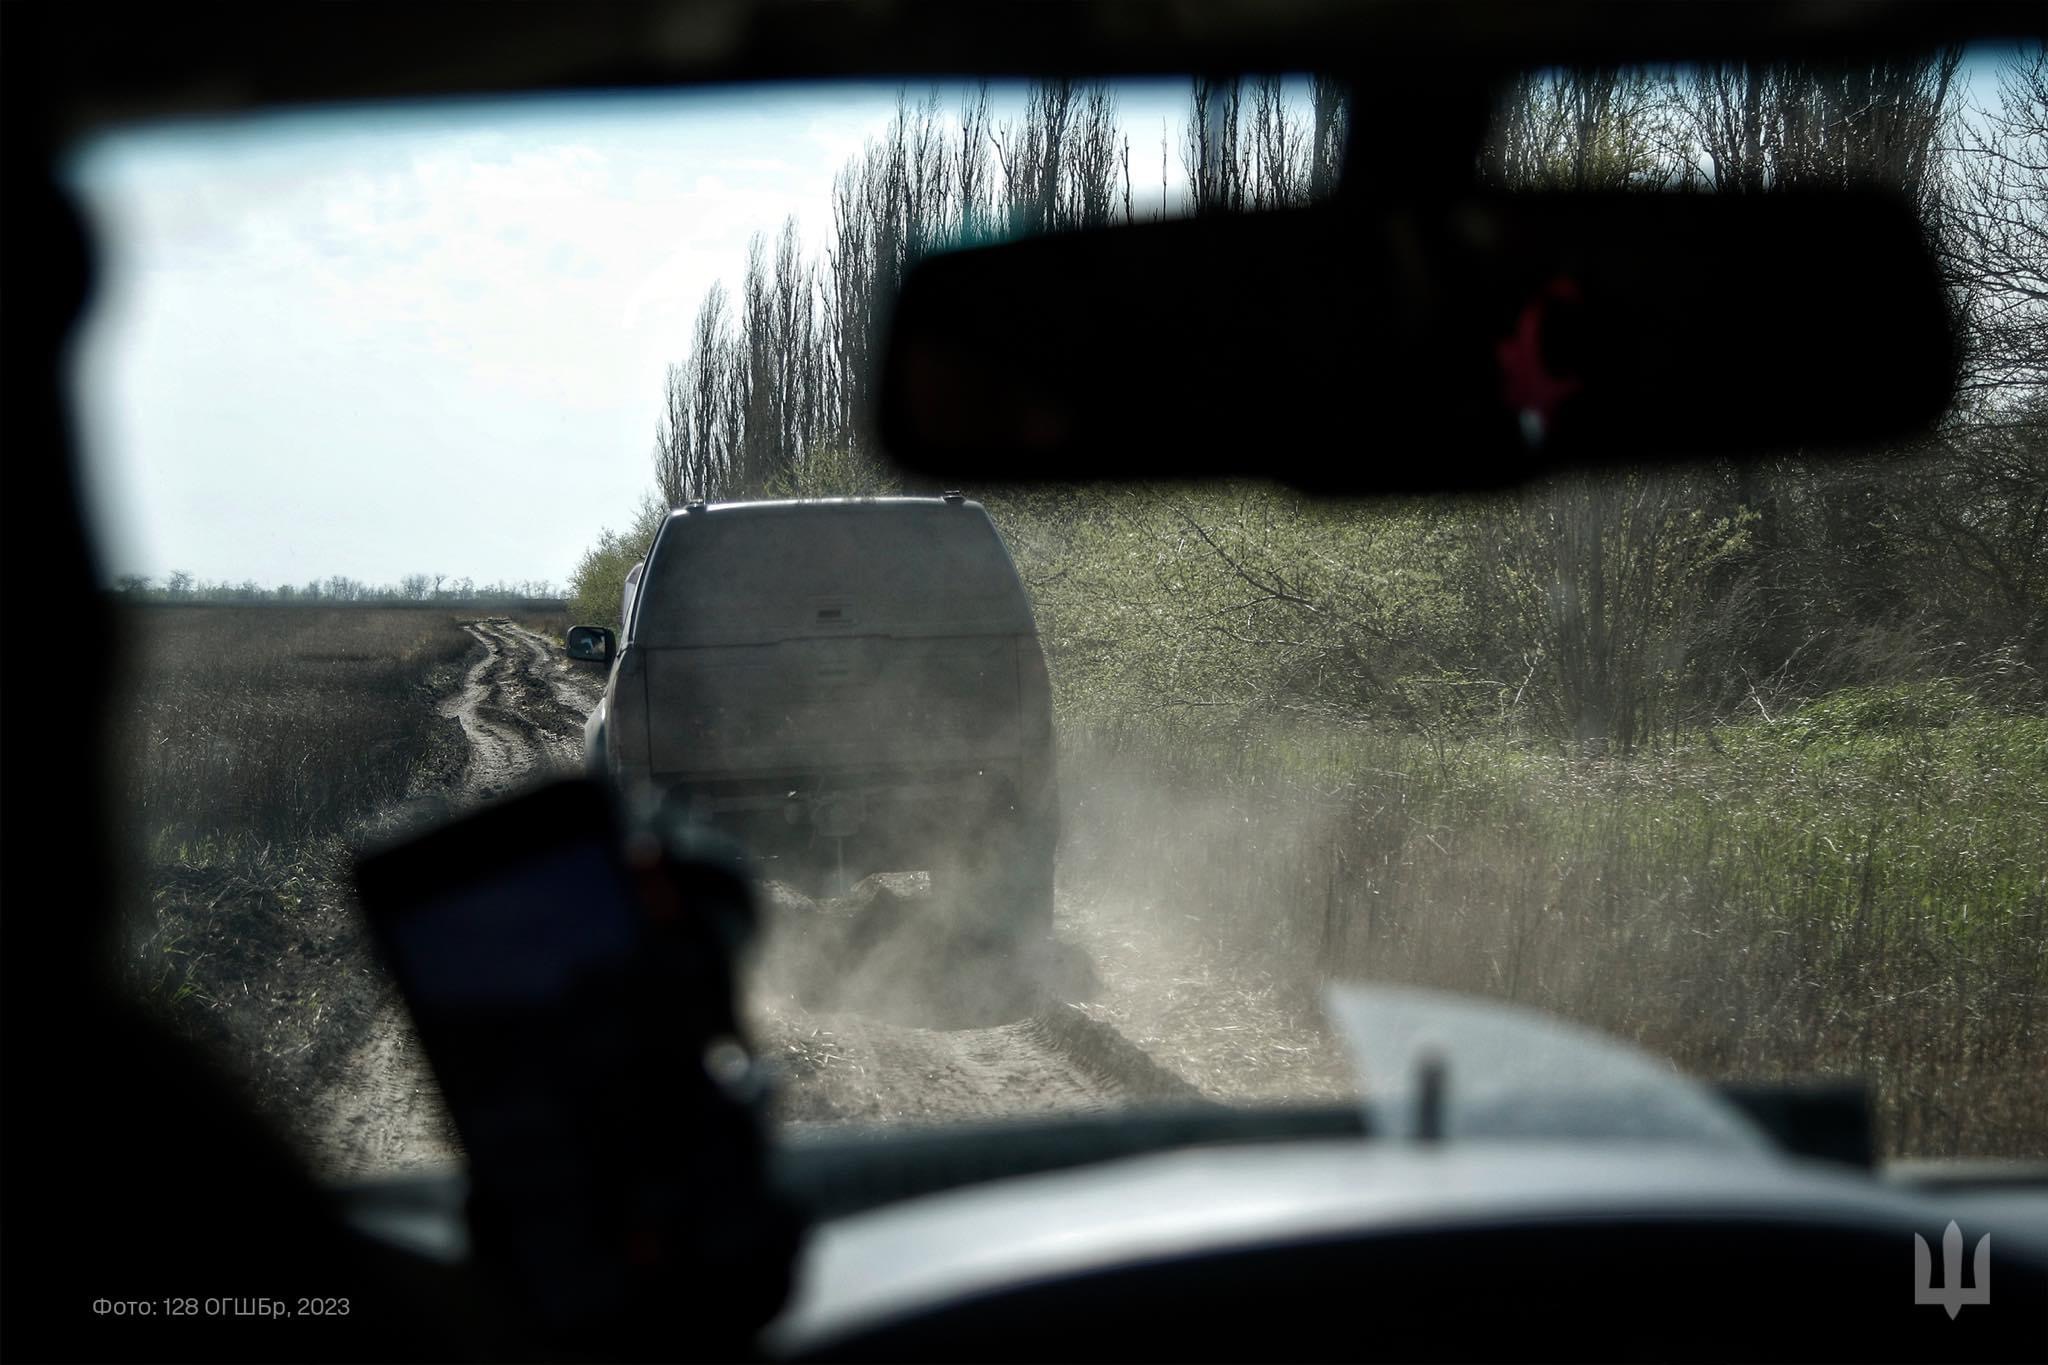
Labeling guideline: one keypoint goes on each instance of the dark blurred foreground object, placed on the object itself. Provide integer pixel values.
(132, 1172)
(1471, 341)
(123, 60)
(131, 1167)
(572, 976)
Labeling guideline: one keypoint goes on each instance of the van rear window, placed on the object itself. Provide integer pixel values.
(758, 573)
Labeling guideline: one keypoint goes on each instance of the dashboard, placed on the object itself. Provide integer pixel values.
(1280, 1234)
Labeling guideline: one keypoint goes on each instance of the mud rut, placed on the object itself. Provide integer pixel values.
(521, 708)
(521, 711)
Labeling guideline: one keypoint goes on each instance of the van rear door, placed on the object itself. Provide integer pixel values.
(813, 638)
(815, 706)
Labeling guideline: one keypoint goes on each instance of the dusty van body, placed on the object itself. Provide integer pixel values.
(846, 687)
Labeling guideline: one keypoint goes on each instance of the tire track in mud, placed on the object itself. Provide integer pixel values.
(840, 1068)
(836, 1068)
(572, 691)
(863, 1009)
(1115, 1060)
(521, 708)
(517, 708)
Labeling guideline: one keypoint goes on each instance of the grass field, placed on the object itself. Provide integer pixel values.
(553, 624)
(1860, 889)
(251, 726)
(246, 741)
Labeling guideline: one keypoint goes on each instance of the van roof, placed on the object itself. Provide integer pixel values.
(789, 506)
(745, 573)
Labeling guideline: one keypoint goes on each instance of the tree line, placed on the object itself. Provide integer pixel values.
(774, 395)
(1652, 598)
(1601, 611)
(419, 589)
(777, 385)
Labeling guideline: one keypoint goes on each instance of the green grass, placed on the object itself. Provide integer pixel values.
(1860, 888)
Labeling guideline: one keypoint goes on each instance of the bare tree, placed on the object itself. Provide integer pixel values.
(849, 303)
(673, 448)
(890, 207)
(1096, 145)
(1329, 102)
(1600, 581)
(1791, 126)
(693, 454)
(1980, 502)
(1032, 152)
(1996, 232)
(1588, 128)
(1209, 148)
(788, 370)
(1279, 171)
(795, 349)
(756, 393)
(709, 464)
(972, 178)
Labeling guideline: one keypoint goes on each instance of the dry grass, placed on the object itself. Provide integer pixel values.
(249, 740)
(246, 727)
(1862, 893)
(553, 624)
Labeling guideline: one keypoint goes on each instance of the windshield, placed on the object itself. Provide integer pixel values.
(1743, 764)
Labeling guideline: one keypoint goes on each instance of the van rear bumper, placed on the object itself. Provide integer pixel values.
(797, 827)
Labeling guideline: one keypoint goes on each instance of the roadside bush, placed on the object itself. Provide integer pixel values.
(598, 585)
(1866, 894)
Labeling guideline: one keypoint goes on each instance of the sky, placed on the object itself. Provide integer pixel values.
(430, 338)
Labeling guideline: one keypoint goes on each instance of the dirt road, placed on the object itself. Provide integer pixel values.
(882, 1048)
(521, 708)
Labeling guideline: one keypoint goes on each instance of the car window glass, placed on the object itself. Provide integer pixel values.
(1742, 764)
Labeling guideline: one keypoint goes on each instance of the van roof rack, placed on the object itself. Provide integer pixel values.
(954, 496)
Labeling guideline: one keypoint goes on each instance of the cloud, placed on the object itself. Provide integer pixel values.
(422, 335)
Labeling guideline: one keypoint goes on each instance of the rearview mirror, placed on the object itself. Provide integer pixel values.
(591, 644)
(1469, 342)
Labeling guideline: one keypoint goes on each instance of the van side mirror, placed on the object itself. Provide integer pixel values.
(591, 644)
